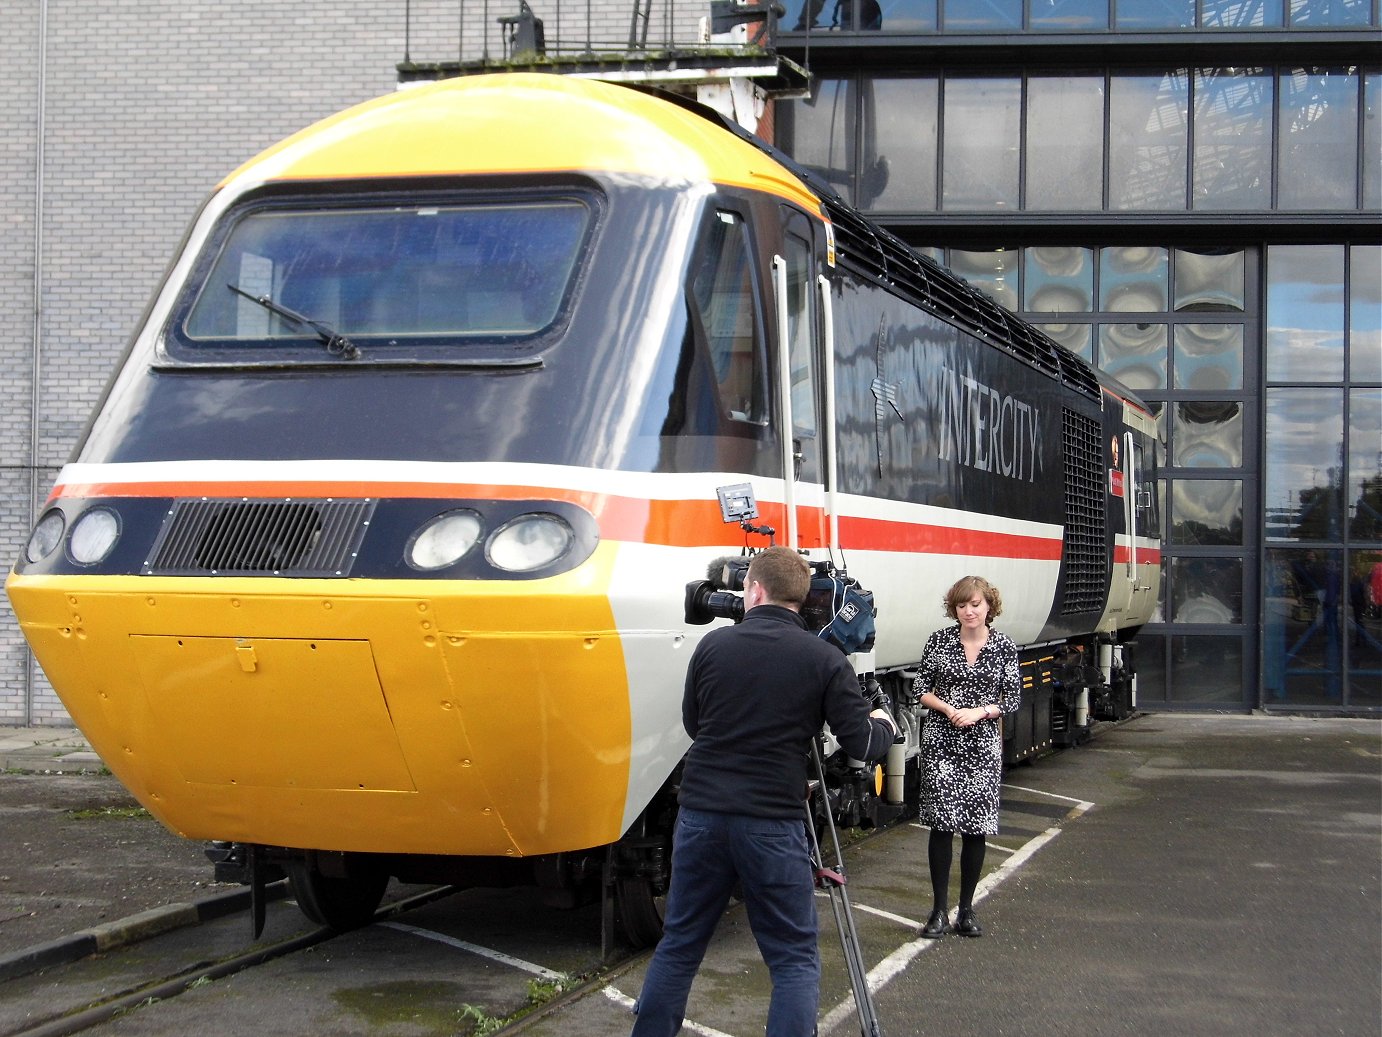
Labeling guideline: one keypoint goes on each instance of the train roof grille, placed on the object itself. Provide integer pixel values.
(243, 536)
(879, 255)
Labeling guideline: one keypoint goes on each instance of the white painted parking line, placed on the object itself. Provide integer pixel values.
(484, 952)
(886, 970)
(620, 998)
(1083, 804)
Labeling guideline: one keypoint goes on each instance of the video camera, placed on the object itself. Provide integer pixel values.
(837, 609)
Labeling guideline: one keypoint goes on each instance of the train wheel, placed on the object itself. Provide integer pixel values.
(640, 909)
(344, 902)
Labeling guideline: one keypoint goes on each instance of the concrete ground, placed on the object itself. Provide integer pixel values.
(1187, 874)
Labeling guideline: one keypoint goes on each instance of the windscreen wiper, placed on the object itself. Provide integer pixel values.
(336, 343)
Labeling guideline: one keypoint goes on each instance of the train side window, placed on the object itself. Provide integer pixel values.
(723, 294)
(801, 353)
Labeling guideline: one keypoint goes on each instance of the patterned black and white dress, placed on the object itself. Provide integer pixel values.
(961, 767)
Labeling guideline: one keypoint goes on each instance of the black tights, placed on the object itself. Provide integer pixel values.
(938, 851)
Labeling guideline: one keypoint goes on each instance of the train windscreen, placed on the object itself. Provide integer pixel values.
(387, 277)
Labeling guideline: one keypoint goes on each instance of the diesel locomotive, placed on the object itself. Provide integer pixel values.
(372, 559)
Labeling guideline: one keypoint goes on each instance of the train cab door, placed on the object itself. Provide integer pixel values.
(801, 332)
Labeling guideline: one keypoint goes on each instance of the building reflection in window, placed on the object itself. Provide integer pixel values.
(1208, 357)
(1206, 669)
(1233, 140)
(1372, 141)
(1058, 279)
(1363, 632)
(1208, 281)
(993, 273)
(1207, 590)
(1317, 152)
(1065, 143)
(1078, 338)
(1305, 313)
(1133, 279)
(1135, 354)
(1364, 486)
(1207, 512)
(897, 166)
(1302, 626)
(1207, 434)
(980, 163)
(1365, 312)
(1303, 476)
(982, 15)
(1148, 141)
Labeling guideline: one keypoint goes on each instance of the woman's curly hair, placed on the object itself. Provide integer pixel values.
(964, 590)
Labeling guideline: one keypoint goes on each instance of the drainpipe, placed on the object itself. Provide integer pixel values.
(37, 357)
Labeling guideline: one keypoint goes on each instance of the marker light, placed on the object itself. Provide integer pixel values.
(93, 535)
(46, 536)
(444, 540)
(529, 542)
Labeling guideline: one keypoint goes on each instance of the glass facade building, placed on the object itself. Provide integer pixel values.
(1187, 193)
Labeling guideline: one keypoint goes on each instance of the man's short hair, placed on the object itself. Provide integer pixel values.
(784, 575)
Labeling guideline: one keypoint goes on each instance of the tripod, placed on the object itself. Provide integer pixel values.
(832, 880)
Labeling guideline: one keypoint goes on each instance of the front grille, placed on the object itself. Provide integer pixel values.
(266, 537)
(1085, 547)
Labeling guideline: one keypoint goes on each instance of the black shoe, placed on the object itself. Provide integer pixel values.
(936, 926)
(966, 924)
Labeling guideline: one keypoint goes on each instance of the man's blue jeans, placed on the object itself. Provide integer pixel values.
(769, 858)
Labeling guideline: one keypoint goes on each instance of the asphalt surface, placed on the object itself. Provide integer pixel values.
(1178, 874)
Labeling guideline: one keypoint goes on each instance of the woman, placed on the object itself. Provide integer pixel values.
(968, 680)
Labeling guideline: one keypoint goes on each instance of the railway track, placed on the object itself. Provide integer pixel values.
(139, 988)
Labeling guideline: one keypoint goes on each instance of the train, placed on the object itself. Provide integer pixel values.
(372, 561)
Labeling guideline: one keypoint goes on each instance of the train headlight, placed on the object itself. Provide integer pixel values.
(93, 535)
(529, 542)
(46, 536)
(444, 541)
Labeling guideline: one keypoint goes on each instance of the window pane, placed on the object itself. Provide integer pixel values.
(402, 276)
(1065, 143)
(1206, 590)
(1321, 13)
(898, 167)
(1156, 14)
(894, 15)
(1151, 667)
(1305, 313)
(1318, 157)
(1240, 14)
(1207, 669)
(993, 273)
(1077, 338)
(1365, 628)
(982, 119)
(1364, 488)
(909, 16)
(1135, 354)
(1207, 511)
(1058, 279)
(1372, 142)
(1233, 138)
(820, 133)
(1305, 442)
(722, 292)
(1208, 356)
(1209, 281)
(982, 15)
(1301, 632)
(1148, 141)
(1365, 313)
(1068, 15)
(1207, 434)
(1132, 279)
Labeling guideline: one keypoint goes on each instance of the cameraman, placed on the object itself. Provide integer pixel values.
(756, 695)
